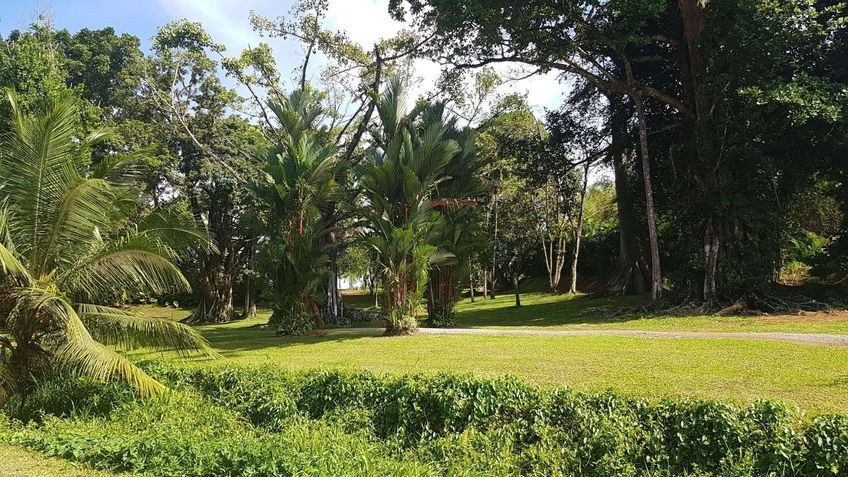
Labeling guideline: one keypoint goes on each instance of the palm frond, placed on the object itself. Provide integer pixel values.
(10, 265)
(138, 262)
(40, 164)
(81, 354)
(112, 326)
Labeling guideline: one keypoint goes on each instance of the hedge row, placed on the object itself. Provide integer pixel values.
(603, 431)
(265, 421)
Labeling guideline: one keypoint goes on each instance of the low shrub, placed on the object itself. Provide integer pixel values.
(63, 395)
(181, 435)
(240, 418)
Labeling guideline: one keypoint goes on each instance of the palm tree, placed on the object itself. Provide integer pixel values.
(459, 232)
(404, 167)
(70, 238)
(302, 169)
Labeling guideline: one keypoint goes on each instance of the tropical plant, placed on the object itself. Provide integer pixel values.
(302, 171)
(412, 150)
(459, 233)
(70, 237)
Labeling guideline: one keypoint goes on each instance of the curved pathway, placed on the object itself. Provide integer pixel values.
(803, 338)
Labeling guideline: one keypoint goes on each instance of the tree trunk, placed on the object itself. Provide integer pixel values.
(701, 100)
(333, 311)
(471, 284)
(249, 309)
(653, 238)
(656, 273)
(515, 282)
(216, 301)
(494, 245)
(443, 290)
(630, 276)
(711, 249)
(579, 232)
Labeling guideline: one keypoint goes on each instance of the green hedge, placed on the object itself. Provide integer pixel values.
(248, 421)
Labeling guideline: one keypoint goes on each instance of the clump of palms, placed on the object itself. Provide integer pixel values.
(302, 170)
(412, 150)
(69, 238)
(458, 232)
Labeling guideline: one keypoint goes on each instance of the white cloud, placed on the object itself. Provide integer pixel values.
(368, 21)
(225, 20)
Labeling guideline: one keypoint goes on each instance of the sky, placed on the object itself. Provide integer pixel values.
(365, 21)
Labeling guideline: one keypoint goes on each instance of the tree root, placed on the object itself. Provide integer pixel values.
(750, 303)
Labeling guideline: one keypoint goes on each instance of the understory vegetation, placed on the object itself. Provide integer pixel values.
(263, 421)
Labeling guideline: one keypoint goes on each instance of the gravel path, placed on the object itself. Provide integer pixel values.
(804, 338)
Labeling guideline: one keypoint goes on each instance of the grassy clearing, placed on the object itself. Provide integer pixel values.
(18, 462)
(563, 312)
(812, 377)
(542, 310)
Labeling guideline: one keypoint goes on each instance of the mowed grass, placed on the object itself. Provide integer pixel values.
(18, 462)
(813, 377)
(546, 311)
(543, 310)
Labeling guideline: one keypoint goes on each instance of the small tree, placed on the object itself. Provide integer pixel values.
(70, 236)
(303, 170)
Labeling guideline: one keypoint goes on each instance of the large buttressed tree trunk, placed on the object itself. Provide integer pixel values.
(218, 267)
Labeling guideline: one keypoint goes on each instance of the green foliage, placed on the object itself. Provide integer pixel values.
(402, 173)
(302, 172)
(246, 421)
(67, 241)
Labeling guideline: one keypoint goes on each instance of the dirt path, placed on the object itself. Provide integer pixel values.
(803, 338)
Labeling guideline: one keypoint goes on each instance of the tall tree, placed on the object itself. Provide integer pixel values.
(304, 168)
(217, 153)
(411, 151)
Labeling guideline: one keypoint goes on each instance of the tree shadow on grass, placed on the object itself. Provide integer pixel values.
(541, 309)
(231, 342)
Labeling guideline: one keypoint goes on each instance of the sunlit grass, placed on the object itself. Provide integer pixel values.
(18, 462)
(813, 377)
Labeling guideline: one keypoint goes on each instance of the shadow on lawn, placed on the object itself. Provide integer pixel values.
(231, 342)
(541, 309)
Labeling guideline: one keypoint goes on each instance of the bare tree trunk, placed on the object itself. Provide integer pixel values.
(471, 284)
(334, 307)
(579, 231)
(249, 300)
(653, 238)
(515, 283)
(711, 249)
(249, 308)
(650, 212)
(494, 244)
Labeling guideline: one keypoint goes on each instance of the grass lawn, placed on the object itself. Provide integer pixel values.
(18, 462)
(813, 377)
(564, 312)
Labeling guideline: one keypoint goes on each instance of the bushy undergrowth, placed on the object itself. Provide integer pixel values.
(248, 421)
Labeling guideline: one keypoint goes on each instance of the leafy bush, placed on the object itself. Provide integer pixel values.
(65, 396)
(267, 421)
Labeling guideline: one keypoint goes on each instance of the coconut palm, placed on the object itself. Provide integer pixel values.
(67, 242)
